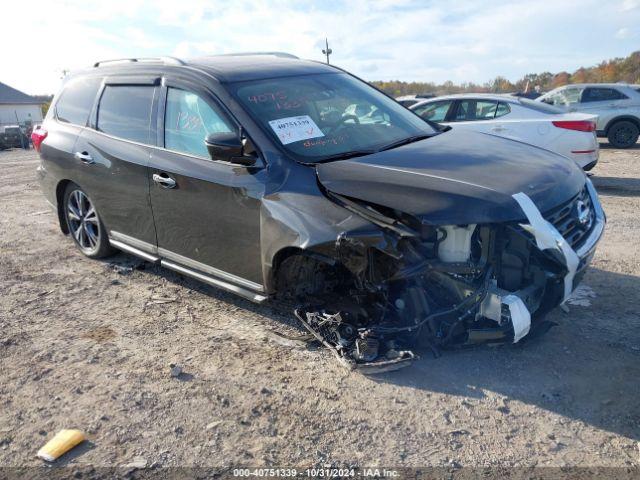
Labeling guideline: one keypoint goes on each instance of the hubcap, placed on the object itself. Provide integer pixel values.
(83, 221)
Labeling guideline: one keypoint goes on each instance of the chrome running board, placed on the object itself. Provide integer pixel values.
(243, 292)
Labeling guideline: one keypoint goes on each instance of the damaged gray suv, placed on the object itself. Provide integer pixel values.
(269, 176)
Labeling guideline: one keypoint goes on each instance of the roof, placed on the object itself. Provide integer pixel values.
(239, 68)
(486, 96)
(231, 68)
(605, 85)
(9, 95)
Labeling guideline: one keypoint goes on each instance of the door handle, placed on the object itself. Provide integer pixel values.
(84, 157)
(166, 182)
(498, 128)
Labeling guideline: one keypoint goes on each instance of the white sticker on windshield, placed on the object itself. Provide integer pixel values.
(294, 129)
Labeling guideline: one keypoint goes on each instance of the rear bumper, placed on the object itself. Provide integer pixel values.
(47, 185)
(585, 151)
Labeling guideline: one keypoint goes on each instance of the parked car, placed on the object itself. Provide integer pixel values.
(408, 100)
(531, 95)
(569, 134)
(253, 173)
(616, 105)
(14, 137)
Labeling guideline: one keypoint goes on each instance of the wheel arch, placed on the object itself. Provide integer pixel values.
(60, 189)
(613, 121)
(292, 251)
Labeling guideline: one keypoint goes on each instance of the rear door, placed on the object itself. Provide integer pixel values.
(483, 115)
(605, 102)
(64, 123)
(207, 211)
(114, 155)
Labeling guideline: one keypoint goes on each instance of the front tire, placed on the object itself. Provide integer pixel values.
(84, 223)
(623, 134)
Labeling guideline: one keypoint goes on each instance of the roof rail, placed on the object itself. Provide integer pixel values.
(245, 54)
(165, 60)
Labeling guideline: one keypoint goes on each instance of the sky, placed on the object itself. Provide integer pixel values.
(431, 41)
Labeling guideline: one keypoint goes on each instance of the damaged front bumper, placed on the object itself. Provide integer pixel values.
(446, 286)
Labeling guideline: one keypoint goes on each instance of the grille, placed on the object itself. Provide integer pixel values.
(567, 218)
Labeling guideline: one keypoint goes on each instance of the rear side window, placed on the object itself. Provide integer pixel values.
(76, 100)
(503, 109)
(602, 95)
(125, 111)
(469, 110)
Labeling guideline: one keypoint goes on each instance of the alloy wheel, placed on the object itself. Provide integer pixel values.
(83, 221)
(624, 135)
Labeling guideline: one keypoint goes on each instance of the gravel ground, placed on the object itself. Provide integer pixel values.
(88, 344)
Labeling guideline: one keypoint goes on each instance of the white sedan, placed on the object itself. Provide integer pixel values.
(569, 134)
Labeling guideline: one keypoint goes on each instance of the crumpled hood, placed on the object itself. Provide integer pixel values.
(457, 177)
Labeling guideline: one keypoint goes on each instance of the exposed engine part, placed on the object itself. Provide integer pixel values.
(455, 245)
(438, 286)
(547, 237)
(355, 349)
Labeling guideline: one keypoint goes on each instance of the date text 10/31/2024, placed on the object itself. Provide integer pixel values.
(317, 472)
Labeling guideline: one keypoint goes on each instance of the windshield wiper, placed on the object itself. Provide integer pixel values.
(405, 141)
(346, 155)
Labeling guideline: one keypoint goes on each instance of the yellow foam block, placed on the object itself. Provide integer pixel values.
(64, 441)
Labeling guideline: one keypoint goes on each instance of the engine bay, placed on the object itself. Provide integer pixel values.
(411, 284)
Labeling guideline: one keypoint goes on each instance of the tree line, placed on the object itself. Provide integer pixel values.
(625, 69)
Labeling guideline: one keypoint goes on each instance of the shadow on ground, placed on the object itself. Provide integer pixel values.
(619, 186)
(607, 146)
(586, 368)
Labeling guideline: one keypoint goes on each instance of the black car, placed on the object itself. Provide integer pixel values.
(14, 137)
(271, 176)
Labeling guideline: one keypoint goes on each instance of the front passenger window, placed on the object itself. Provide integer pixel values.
(188, 120)
(436, 111)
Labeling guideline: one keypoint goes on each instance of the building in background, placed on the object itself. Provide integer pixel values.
(17, 108)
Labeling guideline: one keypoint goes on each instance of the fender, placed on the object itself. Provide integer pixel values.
(629, 118)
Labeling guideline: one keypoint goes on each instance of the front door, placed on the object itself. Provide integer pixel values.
(207, 211)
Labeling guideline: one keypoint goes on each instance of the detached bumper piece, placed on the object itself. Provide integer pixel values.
(356, 349)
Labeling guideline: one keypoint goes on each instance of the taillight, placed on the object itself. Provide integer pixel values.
(579, 125)
(37, 137)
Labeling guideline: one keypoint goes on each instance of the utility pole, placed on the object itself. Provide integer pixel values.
(327, 51)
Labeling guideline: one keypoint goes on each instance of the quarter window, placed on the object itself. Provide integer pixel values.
(76, 100)
(188, 120)
(602, 95)
(435, 112)
(125, 112)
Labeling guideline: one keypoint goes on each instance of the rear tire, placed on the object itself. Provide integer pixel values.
(84, 223)
(623, 134)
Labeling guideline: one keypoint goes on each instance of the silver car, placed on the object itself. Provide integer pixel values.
(617, 106)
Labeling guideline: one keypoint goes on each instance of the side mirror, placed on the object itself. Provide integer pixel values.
(228, 147)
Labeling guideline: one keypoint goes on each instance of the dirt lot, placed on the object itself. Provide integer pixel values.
(89, 344)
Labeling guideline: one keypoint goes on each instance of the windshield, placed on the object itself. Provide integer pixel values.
(324, 116)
